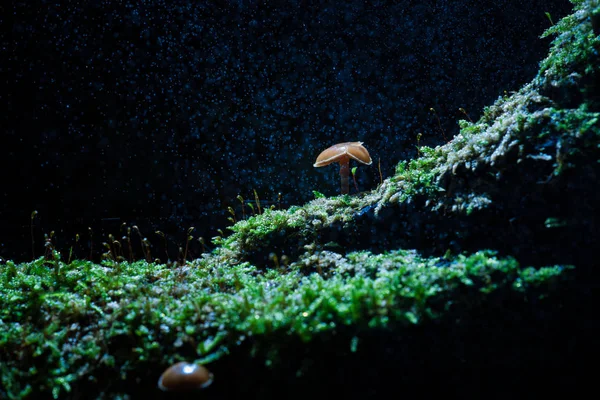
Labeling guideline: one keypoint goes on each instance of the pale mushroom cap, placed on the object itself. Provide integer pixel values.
(353, 150)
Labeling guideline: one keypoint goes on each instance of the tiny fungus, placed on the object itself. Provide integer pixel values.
(342, 153)
(183, 376)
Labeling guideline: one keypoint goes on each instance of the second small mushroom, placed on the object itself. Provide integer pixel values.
(342, 153)
(183, 377)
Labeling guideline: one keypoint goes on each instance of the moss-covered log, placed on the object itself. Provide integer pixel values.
(473, 263)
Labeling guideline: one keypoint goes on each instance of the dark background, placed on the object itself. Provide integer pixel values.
(158, 114)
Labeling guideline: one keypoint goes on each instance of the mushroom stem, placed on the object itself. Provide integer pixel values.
(345, 174)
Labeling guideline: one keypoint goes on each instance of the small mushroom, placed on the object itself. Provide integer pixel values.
(342, 153)
(183, 377)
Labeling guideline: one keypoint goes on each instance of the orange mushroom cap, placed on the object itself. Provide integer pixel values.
(185, 376)
(337, 152)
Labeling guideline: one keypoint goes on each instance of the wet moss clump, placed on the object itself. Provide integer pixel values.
(85, 325)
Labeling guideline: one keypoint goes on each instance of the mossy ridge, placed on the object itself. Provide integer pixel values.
(522, 144)
(569, 77)
(543, 129)
(286, 232)
(527, 132)
(119, 318)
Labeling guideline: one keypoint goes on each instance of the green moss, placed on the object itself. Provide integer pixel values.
(65, 333)
(573, 132)
(258, 227)
(414, 177)
(575, 49)
(531, 277)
